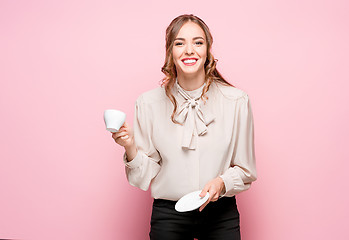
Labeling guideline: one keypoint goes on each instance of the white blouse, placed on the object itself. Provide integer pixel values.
(216, 139)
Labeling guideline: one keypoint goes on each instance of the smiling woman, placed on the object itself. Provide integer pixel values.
(193, 133)
(189, 55)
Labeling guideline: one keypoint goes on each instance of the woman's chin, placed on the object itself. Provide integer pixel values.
(192, 71)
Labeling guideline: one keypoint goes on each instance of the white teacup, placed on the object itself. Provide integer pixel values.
(114, 119)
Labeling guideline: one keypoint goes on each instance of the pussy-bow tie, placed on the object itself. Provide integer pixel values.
(190, 113)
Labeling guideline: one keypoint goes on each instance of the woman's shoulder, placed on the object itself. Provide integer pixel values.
(152, 96)
(230, 92)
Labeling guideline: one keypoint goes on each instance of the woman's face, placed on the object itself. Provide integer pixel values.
(189, 49)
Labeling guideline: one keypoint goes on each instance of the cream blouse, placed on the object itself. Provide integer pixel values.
(216, 139)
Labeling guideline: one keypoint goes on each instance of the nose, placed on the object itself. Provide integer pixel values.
(189, 49)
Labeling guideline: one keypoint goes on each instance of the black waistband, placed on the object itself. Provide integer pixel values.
(172, 203)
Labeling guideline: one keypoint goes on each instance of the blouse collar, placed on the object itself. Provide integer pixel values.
(193, 114)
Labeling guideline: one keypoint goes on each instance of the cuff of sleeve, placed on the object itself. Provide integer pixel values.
(228, 185)
(134, 163)
(233, 182)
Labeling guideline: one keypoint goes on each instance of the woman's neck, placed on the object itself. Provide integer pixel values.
(190, 83)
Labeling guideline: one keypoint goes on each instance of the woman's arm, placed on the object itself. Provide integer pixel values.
(131, 152)
(144, 163)
(242, 171)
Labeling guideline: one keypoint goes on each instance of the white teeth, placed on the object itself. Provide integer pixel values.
(190, 61)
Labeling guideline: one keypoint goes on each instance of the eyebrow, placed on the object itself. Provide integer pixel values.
(193, 38)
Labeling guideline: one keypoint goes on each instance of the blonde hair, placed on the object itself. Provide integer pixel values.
(169, 68)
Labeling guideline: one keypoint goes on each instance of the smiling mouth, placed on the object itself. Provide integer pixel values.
(189, 62)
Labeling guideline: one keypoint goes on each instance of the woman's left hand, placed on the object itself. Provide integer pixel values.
(214, 187)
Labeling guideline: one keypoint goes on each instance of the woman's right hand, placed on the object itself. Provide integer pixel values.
(124, 137)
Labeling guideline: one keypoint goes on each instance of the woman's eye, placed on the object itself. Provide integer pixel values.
(179, 43)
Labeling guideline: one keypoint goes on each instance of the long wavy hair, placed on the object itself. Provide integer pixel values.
(169, 68)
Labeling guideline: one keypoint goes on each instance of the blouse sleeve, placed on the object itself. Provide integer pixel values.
(242, 171)
(146, 164)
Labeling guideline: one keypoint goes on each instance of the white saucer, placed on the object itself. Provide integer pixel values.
(191, 201)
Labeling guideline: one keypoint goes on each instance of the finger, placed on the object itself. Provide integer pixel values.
(124, 137)
(204, 205)
(215, 197)
(213, 194)
(122, 128)
(120, 134)
(204, 191)
(125, 124)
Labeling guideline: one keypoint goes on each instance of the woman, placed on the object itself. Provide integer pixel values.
(194, 132)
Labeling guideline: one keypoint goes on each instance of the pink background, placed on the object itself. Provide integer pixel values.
(62, 63)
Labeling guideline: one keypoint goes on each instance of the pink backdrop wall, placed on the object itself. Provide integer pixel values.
(63, 62)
